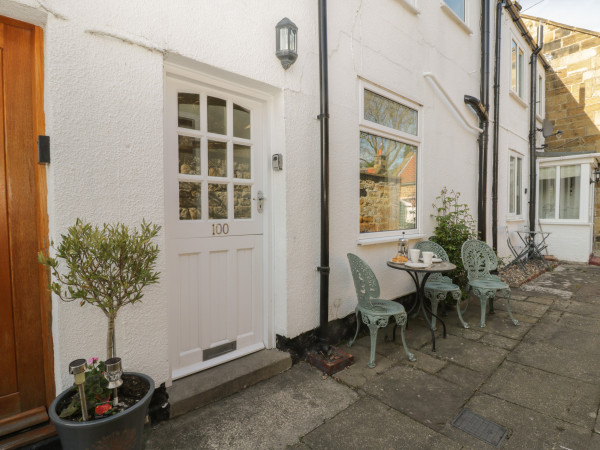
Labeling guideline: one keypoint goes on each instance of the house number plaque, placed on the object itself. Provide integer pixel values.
(218, 228)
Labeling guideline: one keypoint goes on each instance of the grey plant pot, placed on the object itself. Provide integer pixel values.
(123, 430)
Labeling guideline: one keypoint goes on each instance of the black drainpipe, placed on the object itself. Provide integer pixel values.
(483, 124)
(533, 128)
(324, 120)
(498, 50)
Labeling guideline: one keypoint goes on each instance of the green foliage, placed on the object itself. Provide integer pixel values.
(455, 225)
(106, 267)
(96, 391)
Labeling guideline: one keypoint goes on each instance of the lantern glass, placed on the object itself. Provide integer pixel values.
(283, 38)
(287, 42)
(292, 40)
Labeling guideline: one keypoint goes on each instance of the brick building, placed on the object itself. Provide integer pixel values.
(572, 91)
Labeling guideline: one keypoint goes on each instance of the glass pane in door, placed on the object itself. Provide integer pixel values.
(242, 202)
(217, 159)
(217, 201)
(216, 115)
(190, 201)
(241, 161)
(189, 155)
(241, 122)
(188, 107)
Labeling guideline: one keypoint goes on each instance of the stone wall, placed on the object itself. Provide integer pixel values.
(572, 92)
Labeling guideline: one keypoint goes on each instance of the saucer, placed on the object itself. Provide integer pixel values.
(415, 265)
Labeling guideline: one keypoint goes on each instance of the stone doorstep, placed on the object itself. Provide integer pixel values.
(202, 388)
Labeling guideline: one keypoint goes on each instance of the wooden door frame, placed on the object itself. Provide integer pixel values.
(39, 128)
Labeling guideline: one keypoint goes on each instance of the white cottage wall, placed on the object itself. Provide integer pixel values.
(104, 78)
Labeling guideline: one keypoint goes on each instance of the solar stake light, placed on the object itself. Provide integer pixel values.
(113, 374)
(286, 37)
(77, 368)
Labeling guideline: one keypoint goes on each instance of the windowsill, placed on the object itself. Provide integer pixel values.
(388, 239)
(515, 219)
(455, 17)
(564, 222)
(410, 7)
(518, 99)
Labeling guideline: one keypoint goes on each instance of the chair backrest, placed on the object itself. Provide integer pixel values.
(365, 281)
(430, 246)
(478, 259)
(438, 250)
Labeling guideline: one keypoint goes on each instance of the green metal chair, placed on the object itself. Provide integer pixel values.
(375, 312)
(439, 286)
(479, 259)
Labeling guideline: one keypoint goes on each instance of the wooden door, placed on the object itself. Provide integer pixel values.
(214, 162)
(26, 377)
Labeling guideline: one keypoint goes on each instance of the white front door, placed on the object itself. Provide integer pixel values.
(214, 155)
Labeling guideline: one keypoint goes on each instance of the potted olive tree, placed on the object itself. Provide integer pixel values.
(107, 267)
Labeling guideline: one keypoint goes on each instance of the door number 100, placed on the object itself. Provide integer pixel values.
(218, 229)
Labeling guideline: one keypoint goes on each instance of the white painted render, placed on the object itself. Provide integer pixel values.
(104, 87)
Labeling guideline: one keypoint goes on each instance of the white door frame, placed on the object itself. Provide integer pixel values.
(208, 80)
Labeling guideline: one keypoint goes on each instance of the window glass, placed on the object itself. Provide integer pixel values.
(188, 107)
(458, 6)
(189, 155)
(511, 185)
(520, 74)
(241, 122)
(216, 115)
(388, 184)
(190, 206)
(547, 193)
(513, 69)
(389, 113)
(569, 192)
(519, 189)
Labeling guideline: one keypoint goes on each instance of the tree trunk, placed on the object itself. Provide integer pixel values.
(110, 344)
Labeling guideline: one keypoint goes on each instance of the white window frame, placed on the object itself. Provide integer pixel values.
(396, 135)
(516, 183)
(411, 5)
(463, 22)
(519, 89)
(584, 175)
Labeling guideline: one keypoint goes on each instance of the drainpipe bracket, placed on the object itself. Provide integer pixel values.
(324, 270)
(323, 116)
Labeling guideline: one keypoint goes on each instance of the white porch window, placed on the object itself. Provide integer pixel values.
(389, 146)
(560, 192)
(515, 186)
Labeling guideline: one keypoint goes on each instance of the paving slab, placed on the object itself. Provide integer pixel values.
(426, 398)
(425, 362)
(523, 307)
(358, 373)
(579, 322)
(499, 341)
(462, 376)
(369, 424)
(474, 355)
(563, 337)
(271, 414)
(527, 429)
(557, 396)
(575, 306)
(570, 362)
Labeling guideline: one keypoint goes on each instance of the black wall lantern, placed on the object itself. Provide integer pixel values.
(596, 176)
(286, 35)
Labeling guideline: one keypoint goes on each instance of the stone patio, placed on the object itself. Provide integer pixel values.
(539, 380)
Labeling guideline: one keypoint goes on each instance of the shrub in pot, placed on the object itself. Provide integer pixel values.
(107, 267)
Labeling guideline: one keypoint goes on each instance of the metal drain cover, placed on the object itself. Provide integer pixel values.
(480, 427)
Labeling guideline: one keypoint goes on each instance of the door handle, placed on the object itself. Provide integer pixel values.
(260, 200)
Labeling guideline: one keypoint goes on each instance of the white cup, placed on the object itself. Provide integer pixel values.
(428, 258)
(414, 254)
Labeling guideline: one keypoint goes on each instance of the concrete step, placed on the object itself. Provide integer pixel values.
(221, 381)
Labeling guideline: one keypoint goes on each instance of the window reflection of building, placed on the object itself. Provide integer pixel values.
(388, 167)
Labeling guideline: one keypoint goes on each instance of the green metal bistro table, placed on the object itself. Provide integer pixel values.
(420, 304)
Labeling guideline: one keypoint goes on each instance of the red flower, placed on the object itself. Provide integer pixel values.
(103, 409)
